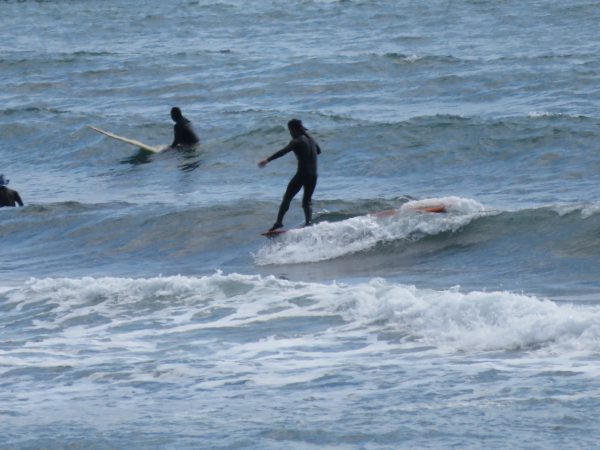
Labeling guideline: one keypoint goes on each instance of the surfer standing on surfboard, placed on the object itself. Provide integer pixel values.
(185, 135)
(306, 150)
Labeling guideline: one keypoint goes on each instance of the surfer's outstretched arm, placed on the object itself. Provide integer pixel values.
(285, 150)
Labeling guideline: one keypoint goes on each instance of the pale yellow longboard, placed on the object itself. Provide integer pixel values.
(138, 144)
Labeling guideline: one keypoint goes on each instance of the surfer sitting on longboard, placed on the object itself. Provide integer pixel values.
(306, 150)
(184, 134)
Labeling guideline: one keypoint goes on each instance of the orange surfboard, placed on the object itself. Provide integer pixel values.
(430, 209)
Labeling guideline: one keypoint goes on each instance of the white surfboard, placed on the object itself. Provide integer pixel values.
(138, 144)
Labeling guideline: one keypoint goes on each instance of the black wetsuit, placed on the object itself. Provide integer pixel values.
(8, 197)
(306, 150)
(184, 133)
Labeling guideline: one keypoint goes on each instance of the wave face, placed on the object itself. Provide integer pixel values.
(547, 251)
(141, 308)
(329, 240)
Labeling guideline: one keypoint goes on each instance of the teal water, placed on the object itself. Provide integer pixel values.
(141, 308)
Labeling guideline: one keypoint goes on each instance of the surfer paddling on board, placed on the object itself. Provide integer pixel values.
(8, 197)
(306, 150)
(184, 134)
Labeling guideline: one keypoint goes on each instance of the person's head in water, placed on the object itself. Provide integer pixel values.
(176, 114)
(3, 181)
(296, 128)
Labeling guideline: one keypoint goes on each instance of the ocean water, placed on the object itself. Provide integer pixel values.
(141, 308)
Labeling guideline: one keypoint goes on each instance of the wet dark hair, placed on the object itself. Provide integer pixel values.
(176, 113)
(296, 124)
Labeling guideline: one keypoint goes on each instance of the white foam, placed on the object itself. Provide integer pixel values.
(138, 314)
(160, 343)
(587, 209)
(479, 321)
(329, 240)
(203, 334)
(590, 210)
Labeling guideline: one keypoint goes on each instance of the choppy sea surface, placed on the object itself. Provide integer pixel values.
(141, 308)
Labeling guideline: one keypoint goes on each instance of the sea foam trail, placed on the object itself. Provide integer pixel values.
(108, 318)
(330, 240)
(141, 350)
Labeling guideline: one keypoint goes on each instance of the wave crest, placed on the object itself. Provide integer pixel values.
(330, 240)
